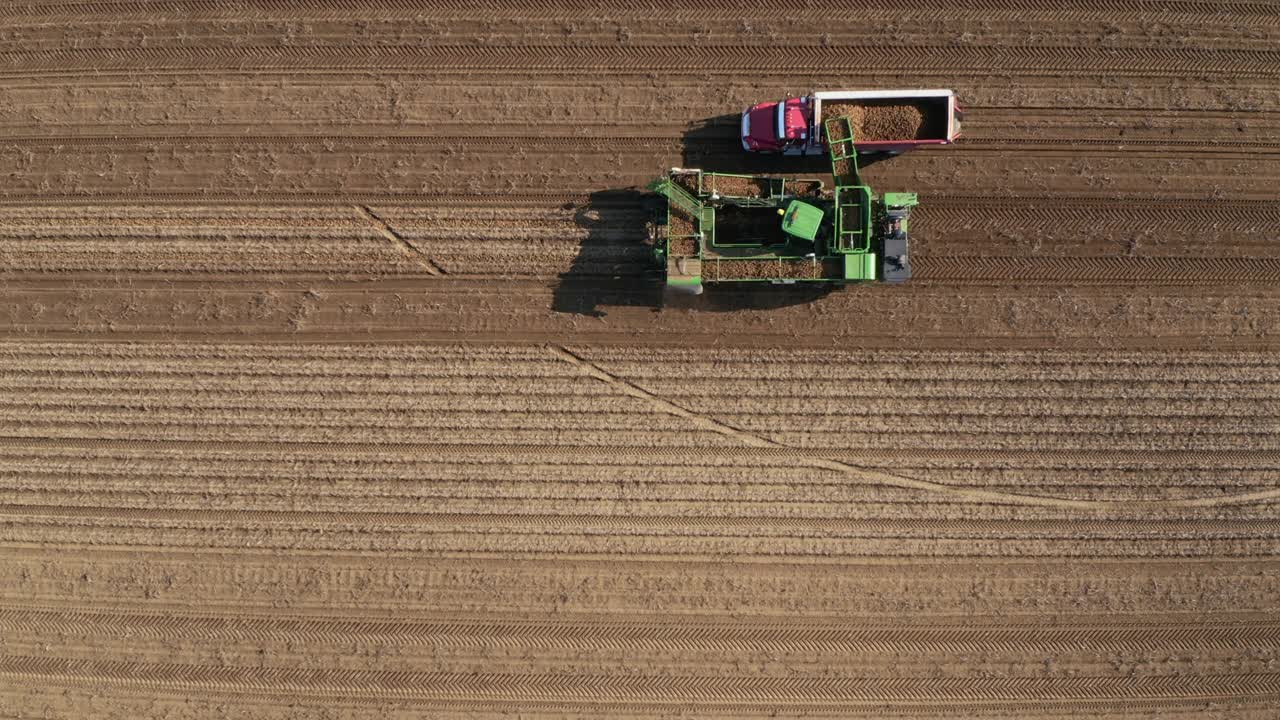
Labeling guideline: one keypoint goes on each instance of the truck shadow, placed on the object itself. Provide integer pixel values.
(715, 145)
(614, 265)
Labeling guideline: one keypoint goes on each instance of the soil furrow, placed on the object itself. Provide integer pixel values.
(920, 59)
(865, 637)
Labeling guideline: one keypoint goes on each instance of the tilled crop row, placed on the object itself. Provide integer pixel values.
(1087, 374)
(997, 439)
(762, 368)
(457, 364)
(350, 255)
(402, 388)
(610, 541)
(78, 467)
(1068, 227)
(692, 491)
(822, 392)
(425, 401)
(1099, 406)
(766, 373)
(423, 473)
(967, 59)
(532, 433)
(822, 414)
(772, 396)
(558, 510)
(545, 312)
(451, 648)
(289, 174)
(249, 582)
(381, 473)
(620, 106)
(330, 26)
(424, 356)
(701, 498)
(653, 639)
(88, 217)
(1048, 357)
(105, 416)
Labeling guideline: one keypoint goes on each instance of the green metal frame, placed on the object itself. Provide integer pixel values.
(852, 237)
(784, 193)
(677, 195)
(855, 238)
(696, 173)
(860, 266)
(843, 149)
(779, 186)
(704, 216)
(904, 200)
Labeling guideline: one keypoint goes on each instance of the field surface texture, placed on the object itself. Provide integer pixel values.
(336, 381)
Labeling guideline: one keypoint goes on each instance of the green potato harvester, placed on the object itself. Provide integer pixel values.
(728, 228)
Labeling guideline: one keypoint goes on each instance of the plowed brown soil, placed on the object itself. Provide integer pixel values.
(335, 379)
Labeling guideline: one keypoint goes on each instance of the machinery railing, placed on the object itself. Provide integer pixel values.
(843, 153)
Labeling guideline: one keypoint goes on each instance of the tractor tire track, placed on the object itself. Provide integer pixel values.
(1097, 270)
(181, 678)
(1198, 13)
(952, 213)
(1266, 459)
(868, 637)
(410, 249)
(766, 526)
(1190, 11)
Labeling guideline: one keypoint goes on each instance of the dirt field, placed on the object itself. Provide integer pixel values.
(335, 382)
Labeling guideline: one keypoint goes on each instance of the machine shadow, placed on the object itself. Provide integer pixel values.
(714, 144)
(615, 268)
(751, 296)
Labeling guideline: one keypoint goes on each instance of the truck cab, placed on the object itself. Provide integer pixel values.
(782, 126)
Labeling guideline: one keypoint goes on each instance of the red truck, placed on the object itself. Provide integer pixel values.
(888, 121)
